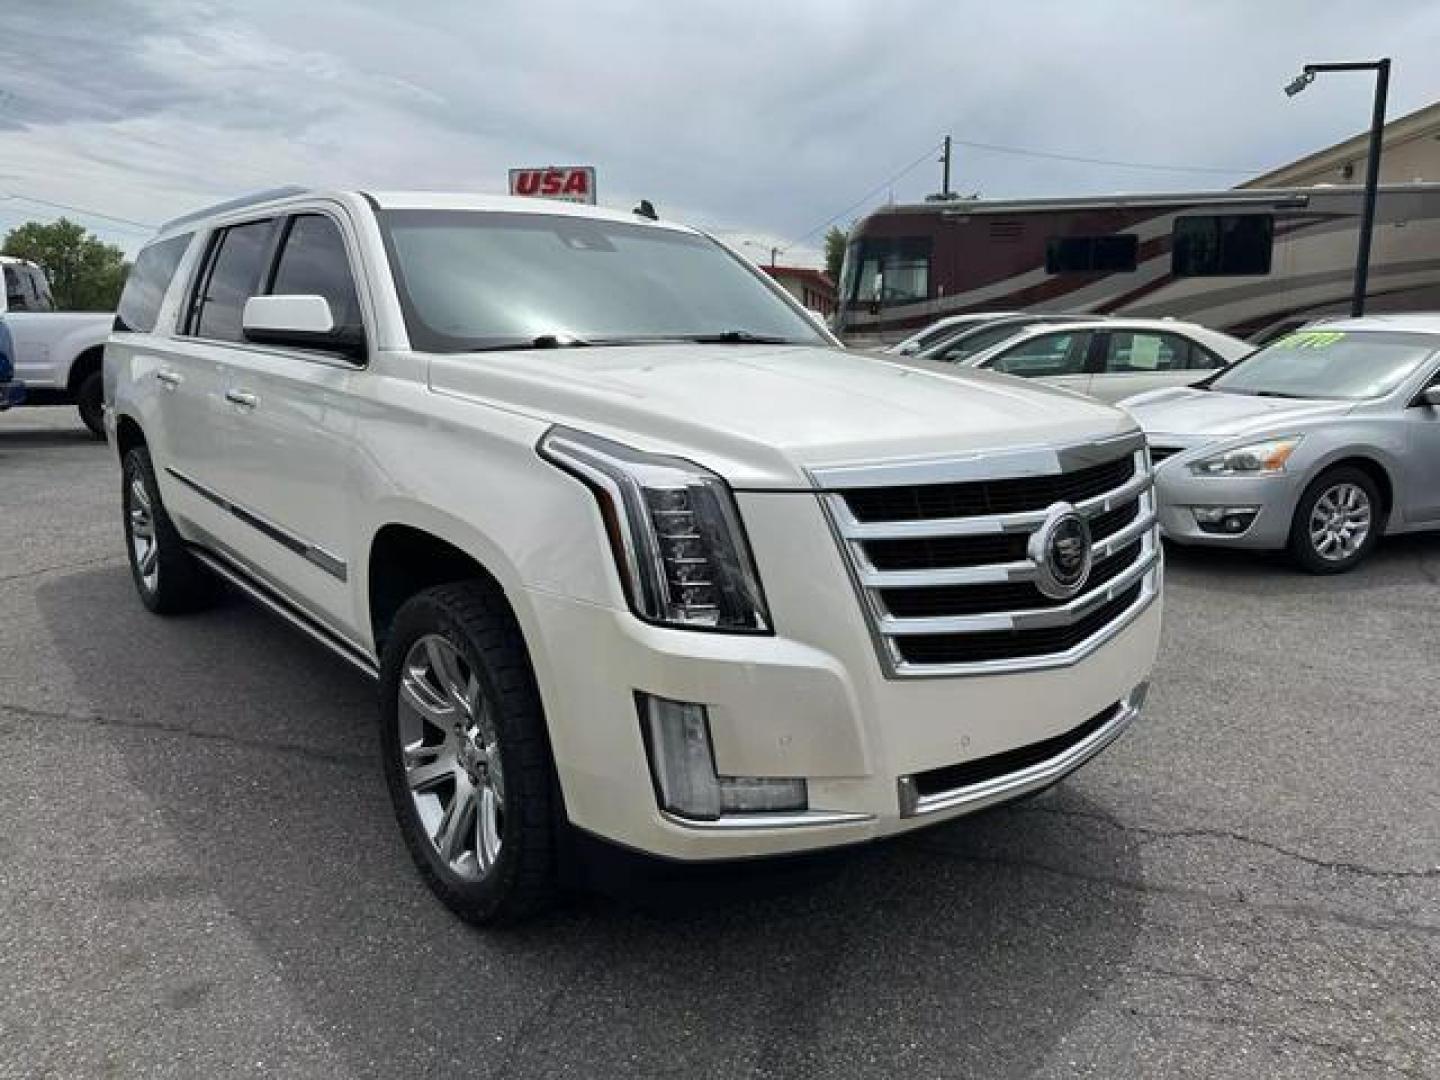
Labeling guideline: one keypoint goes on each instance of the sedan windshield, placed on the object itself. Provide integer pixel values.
(472, 280)
(1348, 365)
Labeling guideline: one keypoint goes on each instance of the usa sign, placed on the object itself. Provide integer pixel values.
(571, 183)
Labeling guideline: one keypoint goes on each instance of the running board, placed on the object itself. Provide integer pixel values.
(296, 618)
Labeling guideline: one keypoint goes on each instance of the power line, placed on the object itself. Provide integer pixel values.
(142, 226)
(1052, 156)
(867, 196)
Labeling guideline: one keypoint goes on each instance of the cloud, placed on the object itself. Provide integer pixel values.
(759, 120)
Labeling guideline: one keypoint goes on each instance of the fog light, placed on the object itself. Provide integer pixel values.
(755, 794)
(682, 762)
(1231, 520)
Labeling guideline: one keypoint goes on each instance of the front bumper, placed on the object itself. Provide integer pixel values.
(1178, 491)
(871, 749)
(11, 394)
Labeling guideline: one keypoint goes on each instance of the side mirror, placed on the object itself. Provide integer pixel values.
(1429, 396)
(300, 322)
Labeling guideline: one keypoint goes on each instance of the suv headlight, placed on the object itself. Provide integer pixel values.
(1253, 459)
(675, 531)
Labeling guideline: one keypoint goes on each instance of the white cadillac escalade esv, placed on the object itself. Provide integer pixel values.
(630, 544)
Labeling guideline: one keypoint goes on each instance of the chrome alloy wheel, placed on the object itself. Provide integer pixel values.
(452, 757)
(143, 543)
(1340, 522)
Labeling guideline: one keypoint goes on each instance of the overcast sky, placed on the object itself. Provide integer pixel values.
(760, 120)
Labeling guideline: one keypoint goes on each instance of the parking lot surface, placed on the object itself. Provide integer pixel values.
(199, 874)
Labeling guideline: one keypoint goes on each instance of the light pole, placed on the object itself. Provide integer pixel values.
(1372, 165)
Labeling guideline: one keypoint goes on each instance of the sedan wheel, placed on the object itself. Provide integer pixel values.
(1337, 521)
(1340, 522)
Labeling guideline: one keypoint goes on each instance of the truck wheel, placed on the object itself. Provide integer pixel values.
(466, 755)
(1337, 522)
(167, 577)
(90, 402)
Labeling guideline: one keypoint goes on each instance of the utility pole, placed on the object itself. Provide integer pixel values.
(945, 175)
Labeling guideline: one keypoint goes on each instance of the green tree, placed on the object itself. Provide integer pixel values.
(86, 274)
(835, 241)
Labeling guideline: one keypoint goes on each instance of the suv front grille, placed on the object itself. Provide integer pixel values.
(940, 554)
(923, 501)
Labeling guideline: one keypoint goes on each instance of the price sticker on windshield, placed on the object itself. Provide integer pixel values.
(1312, 339)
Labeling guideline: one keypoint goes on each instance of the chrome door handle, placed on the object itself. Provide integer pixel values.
(171, 379)
(244, 398)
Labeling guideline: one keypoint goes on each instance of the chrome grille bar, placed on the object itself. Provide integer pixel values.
(1019, 633)
(1032, 619)
(978, 526)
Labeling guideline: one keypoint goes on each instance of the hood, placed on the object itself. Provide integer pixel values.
(761, 415)
(1204, 415)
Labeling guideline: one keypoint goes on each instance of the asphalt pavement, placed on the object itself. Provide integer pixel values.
(199, 875)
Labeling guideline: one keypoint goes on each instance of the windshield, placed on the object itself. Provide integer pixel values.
(970, 342)
(474, 280)
(1343, 365)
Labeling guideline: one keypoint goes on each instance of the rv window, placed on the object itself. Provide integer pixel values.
(1091, 254)
(891, 270)
(1221, 245)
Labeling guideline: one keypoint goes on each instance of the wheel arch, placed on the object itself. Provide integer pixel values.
(412, 551)
(128, 435)
(1372, 467)
(85, 363)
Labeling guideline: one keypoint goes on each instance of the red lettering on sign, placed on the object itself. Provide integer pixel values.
(577, 183)
(527, 182)
(553, 183)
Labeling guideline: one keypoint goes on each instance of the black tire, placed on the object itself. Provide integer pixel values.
(1302, 547)
(90, 403)
(476, 622)
(177, 583)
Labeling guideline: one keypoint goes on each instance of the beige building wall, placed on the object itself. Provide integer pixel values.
(1410, 151)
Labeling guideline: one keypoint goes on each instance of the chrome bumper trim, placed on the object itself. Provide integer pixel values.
(1012, 785)
(749, 822)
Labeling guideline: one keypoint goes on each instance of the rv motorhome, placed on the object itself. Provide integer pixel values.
(1241, 261)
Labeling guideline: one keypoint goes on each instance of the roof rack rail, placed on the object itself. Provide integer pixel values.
(243, 201)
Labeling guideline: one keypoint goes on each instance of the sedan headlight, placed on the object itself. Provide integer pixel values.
(675, 531)
(1253, 459)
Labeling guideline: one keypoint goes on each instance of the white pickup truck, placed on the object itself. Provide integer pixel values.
(633, 548)
(57, 354)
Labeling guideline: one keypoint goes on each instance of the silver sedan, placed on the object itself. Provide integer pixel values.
(1318, 443)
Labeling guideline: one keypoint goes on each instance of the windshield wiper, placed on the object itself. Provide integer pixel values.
(739, 337)
(544, 341)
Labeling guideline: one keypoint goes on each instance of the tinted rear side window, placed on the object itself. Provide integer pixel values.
(147, 284)
(313, 263)
(233, 278)
(1137, 352)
